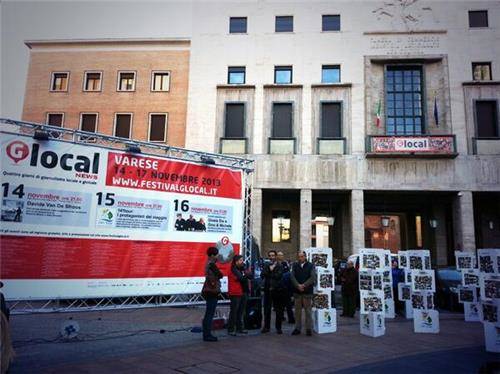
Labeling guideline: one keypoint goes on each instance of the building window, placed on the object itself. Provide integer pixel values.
(88, 122)
(158, 127)
(59, 82)
(92, 81)
(284, 24)
(478, 18)
(282, 120)
(123, 125)
(281, 226)
(160, 81)
(234, 126)
(237, 25)
(282, 74)
(236, 75)
(331, 22)
(487, 119)
(331, 120)
(481, 71)
(330, 74)
(55, 119)
(403, 96)
(126, 80)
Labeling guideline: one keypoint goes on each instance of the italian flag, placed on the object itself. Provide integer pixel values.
(379, 108)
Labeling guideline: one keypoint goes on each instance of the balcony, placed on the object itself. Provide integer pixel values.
(430, 146)
(486, 146)
(282, 146)
(331, 146)
(233, 146)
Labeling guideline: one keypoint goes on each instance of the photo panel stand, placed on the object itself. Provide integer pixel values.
(376, 299)
(324, 314)
(488, 260)
(417, 290)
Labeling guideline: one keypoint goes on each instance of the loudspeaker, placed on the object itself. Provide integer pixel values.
(253, 315)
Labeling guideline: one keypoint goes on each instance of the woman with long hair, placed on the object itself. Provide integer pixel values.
(211, 291)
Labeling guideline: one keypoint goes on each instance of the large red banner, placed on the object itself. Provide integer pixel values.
(131, 171)
(60, 258)
(85, 221)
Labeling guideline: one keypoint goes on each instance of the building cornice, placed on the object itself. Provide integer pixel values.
(330, 85)
(236, 86)
(414, 32)
(106, 42)
(481, 83)
(382, 59)
(284, 86)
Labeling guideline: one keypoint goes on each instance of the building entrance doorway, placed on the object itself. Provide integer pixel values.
(390, 231)
(410, 220)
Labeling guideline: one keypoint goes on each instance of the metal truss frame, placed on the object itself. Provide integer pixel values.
(148, 148)
(106, 303)
(113, 142)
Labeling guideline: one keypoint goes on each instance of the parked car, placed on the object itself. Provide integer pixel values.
(447, 282)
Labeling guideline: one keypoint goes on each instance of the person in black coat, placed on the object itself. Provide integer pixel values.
(349, 281)
(289, 287)
(274, 292)
(303, 277)
(190, 223)
(180, 223)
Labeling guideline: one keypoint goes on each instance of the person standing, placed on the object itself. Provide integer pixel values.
(190, 223)
(17, 217)
(238, 294)
(6, 350)
(289, 287)
(274, 292)
(211, 291)
(349, 281)
(397, 277)
(180, 223)
(303, 277)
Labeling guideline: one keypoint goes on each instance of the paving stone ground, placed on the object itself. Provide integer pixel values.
(129, 341)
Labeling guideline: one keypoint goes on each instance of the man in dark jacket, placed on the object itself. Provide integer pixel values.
(303, 277)
(349, 280)
(190, 223)
(274, 292)
(288, 285)
(180, 223)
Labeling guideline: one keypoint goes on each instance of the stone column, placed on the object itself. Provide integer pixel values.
(463, 221)
(256, 210)
(346, 231)
(305, 218)
(441, 241)
(305, 136)
(357, 210)
(258, 143)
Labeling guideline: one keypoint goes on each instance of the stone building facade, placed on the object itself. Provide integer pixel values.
(426, 174)
(372, 124)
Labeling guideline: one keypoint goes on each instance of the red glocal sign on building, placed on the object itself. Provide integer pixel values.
(442, 145)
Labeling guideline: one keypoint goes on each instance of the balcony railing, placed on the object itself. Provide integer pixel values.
(411, 146)
(282, 146)
(486, 146)
(331, 146)
(233, 145)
